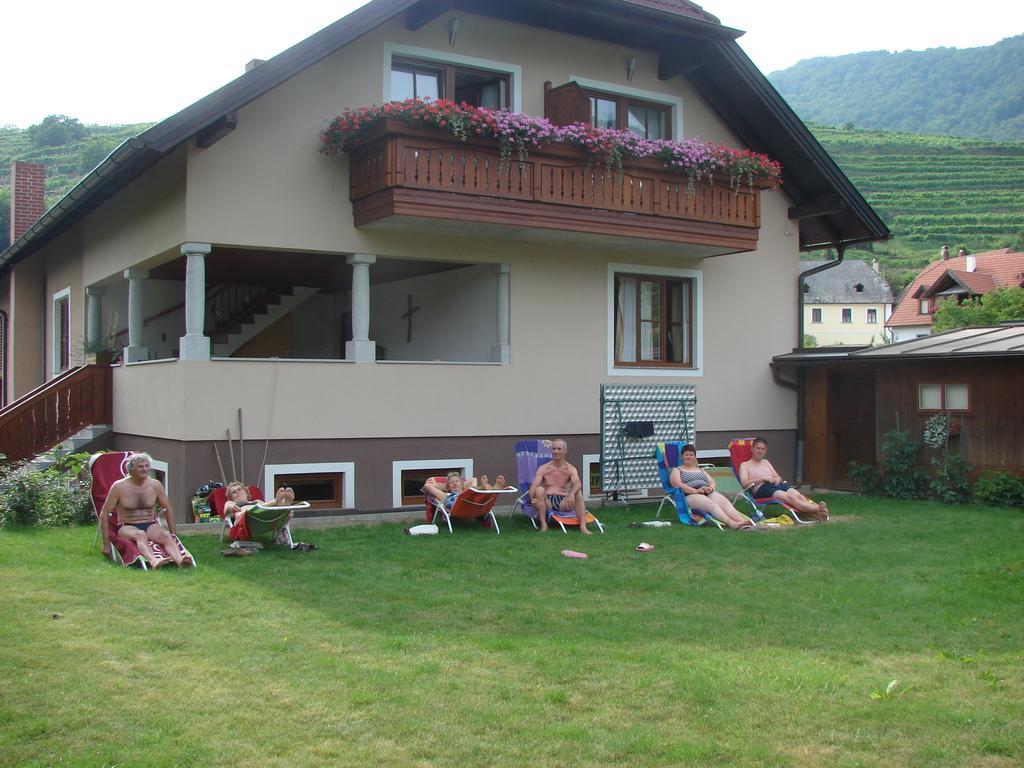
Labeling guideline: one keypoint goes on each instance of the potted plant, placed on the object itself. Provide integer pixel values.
(104, 350)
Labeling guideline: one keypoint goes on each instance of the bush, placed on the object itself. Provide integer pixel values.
(1000, 489)
(899, 477)
(44, 498)
(950, 484)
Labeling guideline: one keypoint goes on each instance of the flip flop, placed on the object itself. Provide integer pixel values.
(643, 546)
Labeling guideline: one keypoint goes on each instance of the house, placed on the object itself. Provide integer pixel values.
(960, 277)
(422, 302)
(852, 399)
(846, 304)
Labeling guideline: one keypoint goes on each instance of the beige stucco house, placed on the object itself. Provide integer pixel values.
(371, 327)
(847, 304)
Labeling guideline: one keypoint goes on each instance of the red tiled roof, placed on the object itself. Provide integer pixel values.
(994, 269)
(678, 7)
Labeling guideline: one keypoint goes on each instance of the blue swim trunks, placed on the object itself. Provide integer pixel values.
(766, 490)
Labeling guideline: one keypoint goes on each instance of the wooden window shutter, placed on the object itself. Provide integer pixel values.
(566, 104)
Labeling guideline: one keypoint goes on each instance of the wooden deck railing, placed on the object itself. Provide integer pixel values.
(56, 410)
(405, 170)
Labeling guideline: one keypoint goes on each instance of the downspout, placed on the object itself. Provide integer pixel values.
(841, 252)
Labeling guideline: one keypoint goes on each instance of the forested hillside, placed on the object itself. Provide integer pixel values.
(946, 91)
(934, 191)
(69, 150)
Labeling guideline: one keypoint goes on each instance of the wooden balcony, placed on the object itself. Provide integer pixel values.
(407, 173)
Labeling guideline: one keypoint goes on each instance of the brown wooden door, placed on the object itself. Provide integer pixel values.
(851, 402)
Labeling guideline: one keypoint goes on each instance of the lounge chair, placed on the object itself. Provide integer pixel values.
(470, 504)
(258, 522)
(668, 456)
(739, 452)
(106, 469)
(531, 455)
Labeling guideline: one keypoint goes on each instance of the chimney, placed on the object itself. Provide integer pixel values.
(960, 253)
(252, 64)
(944, 253)
(27, 196)
(971, 264)
(874, 265)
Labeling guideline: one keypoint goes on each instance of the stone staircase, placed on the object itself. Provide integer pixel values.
(77, 442)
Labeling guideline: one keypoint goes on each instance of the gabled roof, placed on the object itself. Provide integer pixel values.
(688, 41)
(993, 269)
(956, 282)
(838, 285)
(1006, 340)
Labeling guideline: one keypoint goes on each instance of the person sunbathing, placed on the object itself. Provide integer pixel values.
(135, 498)
(701, 495)
(557, 488)
(759, 476)
(454, 485)
(237, 501)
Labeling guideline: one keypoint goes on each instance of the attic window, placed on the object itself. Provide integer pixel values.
(807, 288)
(859, 288)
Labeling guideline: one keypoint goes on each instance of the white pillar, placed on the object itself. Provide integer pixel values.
(136, 286)
(502, 350)
(361, 348)
(93, 314)
(194, 345)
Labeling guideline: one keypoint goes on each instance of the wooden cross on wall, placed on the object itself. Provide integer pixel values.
(408, 316)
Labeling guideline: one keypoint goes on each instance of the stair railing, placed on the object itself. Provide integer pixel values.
(55, 411)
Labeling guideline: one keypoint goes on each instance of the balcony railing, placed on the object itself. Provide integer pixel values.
(401, 170)
(55, 411)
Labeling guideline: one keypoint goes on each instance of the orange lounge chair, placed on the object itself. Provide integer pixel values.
(470, 504)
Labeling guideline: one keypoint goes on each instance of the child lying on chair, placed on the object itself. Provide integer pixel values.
(237, 501)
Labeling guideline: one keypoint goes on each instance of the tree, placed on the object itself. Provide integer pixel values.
(56, 130)
(990, 309)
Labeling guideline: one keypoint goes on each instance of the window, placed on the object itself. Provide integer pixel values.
(943, 397)
(847, 315)
(412, 78)
(323, 490)
(872, 315)
(922, 306)
(408, 477)
(328, 485)
(816, 315)
(61, 338)
(644, 118)
(653, 321)
(591, 479)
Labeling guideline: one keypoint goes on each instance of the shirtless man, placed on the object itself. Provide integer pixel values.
(758, 474)
(557, 487)
(134, 499)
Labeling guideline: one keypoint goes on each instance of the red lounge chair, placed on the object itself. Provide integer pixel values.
(106, 469)
(740, 451)
(471, 504)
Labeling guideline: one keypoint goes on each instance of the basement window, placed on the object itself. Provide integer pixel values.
(408, 477)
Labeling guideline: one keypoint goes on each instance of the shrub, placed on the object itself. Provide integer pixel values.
(899, 477)
(1000, 488)
(45, 498)
(950, 483)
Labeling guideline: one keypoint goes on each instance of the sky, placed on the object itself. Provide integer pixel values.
(116, 62)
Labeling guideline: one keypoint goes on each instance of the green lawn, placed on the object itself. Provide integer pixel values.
(738, 649)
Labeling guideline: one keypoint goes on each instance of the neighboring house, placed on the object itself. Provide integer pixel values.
(400, 312)
(960, 277)
(847, 304)
(853, 399)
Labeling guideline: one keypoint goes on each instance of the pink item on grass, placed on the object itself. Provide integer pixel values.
(573, 553)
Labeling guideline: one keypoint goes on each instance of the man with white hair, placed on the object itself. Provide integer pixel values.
(557, 488)
(135, 499)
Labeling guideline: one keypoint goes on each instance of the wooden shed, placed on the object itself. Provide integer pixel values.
(850, 399)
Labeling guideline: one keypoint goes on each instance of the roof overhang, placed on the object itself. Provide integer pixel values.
(687, 41)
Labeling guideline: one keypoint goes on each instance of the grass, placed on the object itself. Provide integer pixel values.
(737, 649)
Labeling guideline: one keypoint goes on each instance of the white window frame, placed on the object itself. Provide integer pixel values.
(397, 467)
(867, 316)
(697, 276)
(844, 313)
(55, 300)
(347, 470)
(821, 315)
(443, 57)
(674, 103)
